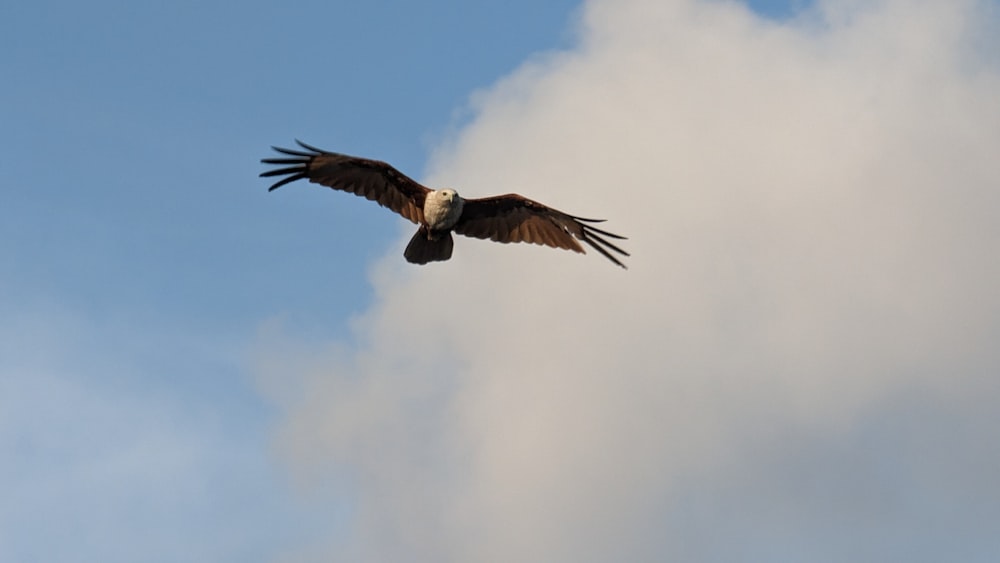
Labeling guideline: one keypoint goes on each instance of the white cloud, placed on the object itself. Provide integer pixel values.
(799, 364)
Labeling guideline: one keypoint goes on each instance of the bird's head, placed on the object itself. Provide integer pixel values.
(448, 194)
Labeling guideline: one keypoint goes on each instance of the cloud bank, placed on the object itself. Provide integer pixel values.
(800, 363)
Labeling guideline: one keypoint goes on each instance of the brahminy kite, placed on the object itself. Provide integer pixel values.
(504, 218)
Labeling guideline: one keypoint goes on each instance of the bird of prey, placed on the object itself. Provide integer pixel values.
(504, 218)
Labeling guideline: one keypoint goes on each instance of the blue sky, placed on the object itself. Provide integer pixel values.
(140, 251)
(142, 260)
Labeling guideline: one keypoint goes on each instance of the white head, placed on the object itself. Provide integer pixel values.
(442, 208)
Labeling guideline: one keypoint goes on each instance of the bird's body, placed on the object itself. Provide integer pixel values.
(505, 218)
(433, 242)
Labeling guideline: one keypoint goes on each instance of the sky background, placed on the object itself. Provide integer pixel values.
(800, 363)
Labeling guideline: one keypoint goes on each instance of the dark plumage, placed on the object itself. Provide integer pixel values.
(504, 218)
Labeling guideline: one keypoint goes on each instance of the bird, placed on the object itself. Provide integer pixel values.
(439, 213)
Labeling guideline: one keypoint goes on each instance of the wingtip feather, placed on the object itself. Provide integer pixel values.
(295, 168)
(310, 147)
(594, 239)
(287, 180)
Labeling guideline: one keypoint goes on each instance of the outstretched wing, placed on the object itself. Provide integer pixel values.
(513, 218)
(371, 179)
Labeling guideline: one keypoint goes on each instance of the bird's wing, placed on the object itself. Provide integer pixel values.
(513, 218)
(372, 179)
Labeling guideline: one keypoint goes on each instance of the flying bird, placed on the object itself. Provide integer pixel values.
(504, 218)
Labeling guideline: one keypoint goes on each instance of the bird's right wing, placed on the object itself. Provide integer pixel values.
(371, 179)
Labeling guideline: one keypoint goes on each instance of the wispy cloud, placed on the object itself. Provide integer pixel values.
(800, 363)
(118, 445)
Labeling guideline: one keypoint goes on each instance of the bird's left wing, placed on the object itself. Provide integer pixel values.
(514, 218)
(371, 179)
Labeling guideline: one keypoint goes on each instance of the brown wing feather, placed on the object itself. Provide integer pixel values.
(372, 179)
(514, 218)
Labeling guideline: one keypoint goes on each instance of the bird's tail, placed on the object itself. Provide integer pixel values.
(423, 248)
